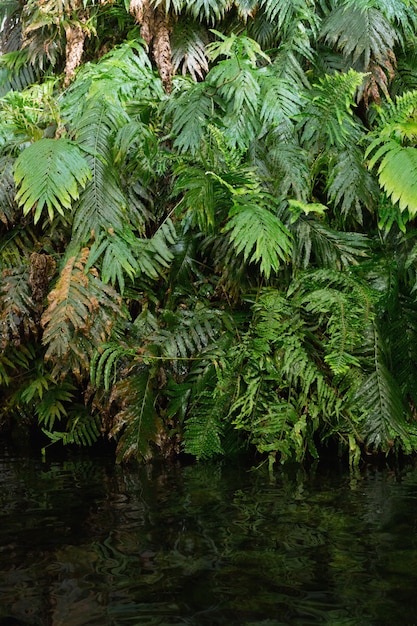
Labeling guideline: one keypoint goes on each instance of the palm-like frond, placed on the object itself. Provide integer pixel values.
(49, 174)
(211, 10)
(191, 111)
(317, 244)
(380, 397)
(362, 31)
(188, 43)
(351, 188)
(102, 203)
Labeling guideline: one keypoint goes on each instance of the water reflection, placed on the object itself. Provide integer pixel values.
(84, 543)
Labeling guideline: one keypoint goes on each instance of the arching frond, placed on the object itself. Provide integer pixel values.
(211, 10)
(18, 319)
(191, 111)
(102, 204)
(351, 187)
(380, 397)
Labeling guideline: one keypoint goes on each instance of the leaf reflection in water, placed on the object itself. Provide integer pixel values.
(84, 543)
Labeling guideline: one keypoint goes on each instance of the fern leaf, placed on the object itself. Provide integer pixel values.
(190, 112)
(380, 396)
(397, 172)
(136, 424)
(212, 10)
(202, 436)
(258, 234)
(102, 203)
(363, 32)
(188, 42)
(328, 119)
(80, 315)
(18, 318)
(49, 174)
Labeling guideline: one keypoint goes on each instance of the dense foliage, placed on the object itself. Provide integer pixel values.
(207, 225)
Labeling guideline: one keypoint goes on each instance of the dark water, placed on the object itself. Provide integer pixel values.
(85, 543)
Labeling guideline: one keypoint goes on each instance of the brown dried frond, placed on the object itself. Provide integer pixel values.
(42, 268)
(162, 49)
(75, 35)
(144, 16)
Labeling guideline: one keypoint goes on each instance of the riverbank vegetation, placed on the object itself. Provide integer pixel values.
(207, 225)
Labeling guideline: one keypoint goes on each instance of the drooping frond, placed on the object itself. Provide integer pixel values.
(136, 424)
(49, 174)
(318, 244)
(124, 254)
(380, 397)
(211, 10)
(203, 430)
(102, 203)
(393, 149)
(189, 40)
(191, 111)
(351, 188)
(362, 32)
(397, 172)
(80, 315)
(15, 73)
(342, 306)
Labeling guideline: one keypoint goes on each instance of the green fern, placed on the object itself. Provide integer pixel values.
(257, 233)
(49, 174)
(136, 424)
(18, 319)
(362, 32)
(189, 40)
(327, 119)
(102, 203)
(379, 395)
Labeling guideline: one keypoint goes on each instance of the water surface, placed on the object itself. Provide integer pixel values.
(83, 542)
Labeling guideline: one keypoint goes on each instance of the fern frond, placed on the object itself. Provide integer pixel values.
(397, 172)
(327, 119)
(351, 187)
(212, 10)
(190, 112)
(257, 233)
(49, 174)
(362, 32)
(203, 432)
(316, 243)
(18, 316)
(102, 204)
(82, 429)
(380, 397)
(136, 424)
(51, 407)
(80, 315)
(188, 42)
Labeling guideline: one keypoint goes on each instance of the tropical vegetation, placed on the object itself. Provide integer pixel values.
(207, 226)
